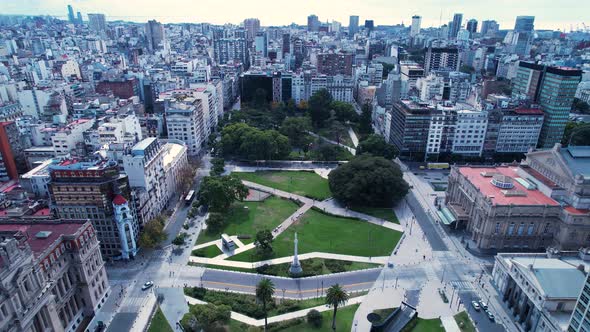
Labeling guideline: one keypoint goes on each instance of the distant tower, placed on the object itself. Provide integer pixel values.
(71, 17)
(295, 268)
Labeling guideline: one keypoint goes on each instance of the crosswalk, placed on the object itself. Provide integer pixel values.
(462, 285)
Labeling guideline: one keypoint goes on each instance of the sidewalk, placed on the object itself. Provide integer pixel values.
(279, 318)
(351, 150)
(352, 134)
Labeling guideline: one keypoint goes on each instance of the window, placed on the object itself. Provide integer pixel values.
(511, 229)
(520, 229)
(497, 231)
(531, 229)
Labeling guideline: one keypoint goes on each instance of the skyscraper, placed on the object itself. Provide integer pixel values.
(455, 25)
(353, 25)
(286, 46)
(155, 35)
(415, 29)
(369, 25)
(471, 27)
(553, 88)
(522, 36)
(261, 43)
(524, 23)
(252, 26)
(97, 23)
(441, 59)
(489, 27)
(313, 23)
(71, 17)
(80, 19)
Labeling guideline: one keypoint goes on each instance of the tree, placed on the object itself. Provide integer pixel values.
(338, 130)
(296, 129)
(368, 181)
(315, 318)
(319, 107)
(218, 165)
(187, 176)
(179, 239)
(244, 141)
(153, 233)
(215, 222)
(263, 242)
(210, 315)
(576, 134)
(467, 69)
(376, 145)
(366, 120)
(335, 297)
(219, 192)
(264, 292)
(344, 112)
(580, 106)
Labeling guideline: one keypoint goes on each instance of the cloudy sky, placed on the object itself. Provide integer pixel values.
(550, 14)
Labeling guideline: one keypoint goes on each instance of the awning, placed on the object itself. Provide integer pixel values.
(446, 216)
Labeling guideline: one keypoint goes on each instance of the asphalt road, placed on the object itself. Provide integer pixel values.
(483, 323)
(426, 223)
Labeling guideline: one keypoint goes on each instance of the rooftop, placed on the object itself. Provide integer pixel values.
(578, 159)
(500, 196)
(53, 232)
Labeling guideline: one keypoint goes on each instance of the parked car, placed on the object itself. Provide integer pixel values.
(483, 305)
(490, 315)
(475, 305)
(147, 285)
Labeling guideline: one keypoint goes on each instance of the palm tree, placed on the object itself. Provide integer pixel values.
(336, 296)
(264, 292)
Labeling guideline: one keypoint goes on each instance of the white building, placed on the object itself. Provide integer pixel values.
(33, 101)
(120, 129)
(65, 139)
(430, 87)
(415, 28)
(470, 132)
(185, 122)
(71, 68)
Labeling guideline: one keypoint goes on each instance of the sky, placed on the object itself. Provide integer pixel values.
(549, 14)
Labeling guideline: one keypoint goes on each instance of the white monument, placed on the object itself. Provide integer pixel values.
(295, 268)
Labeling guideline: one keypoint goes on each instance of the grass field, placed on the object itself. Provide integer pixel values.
(464, 322)
(298, 182)
(383, 213)
(159, 323)
(344, 318)
(209, 252)
(260, 215)
(425, 325)
(311, 267)
(320, 232)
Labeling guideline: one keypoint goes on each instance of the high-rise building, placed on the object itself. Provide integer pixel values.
(522, 36)
(97, 23)
(369, 25)
(252, 26)
(313, 23)
(98, 192)
(579, 321)
(261, 43)
(9, 139)
(353, 25)
(286, 45)
(231, 49)
(455, 26)
(524, 23)
(335, 63)
(155, 35)
(186, 122)
(71, 17)
(553, 88)
(415, 29)
(79, 18)
(441, 59)
(489, 27)
(471, 27)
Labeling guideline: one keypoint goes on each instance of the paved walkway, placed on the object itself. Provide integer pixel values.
(351, 150)
(450, 324)
(353, 138)
(290, 315)
(221, 261)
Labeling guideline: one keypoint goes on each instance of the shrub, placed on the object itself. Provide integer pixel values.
(314, 318)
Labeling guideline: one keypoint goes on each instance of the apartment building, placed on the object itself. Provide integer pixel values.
(186, 121)
(65, 139)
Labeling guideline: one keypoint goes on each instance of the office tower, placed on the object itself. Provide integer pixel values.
(522, 35)
(553, 88)
(489, 27)
(231, 49)
(415, 29)
(335, 63)
(471, 27)
(369, 25)
(155, 35)
(313, 23)
(79, 18)
(353, 25)
(524, 23)
(261, 44)
(97, 23)
(441, 59)
(71, 17)
(455, 25)
(581, 310)
(252, 26)
(286, 46)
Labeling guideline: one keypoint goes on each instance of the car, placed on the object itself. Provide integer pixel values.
(483, 305)
(490, 315)
(147, 285)
(475, 305)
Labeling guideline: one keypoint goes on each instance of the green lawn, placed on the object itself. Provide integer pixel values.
(298, 182)
(209, 252)
(344, 321)
(383, 213)
(424, 325)
(311, 267)
(464, 322)
(320, 232)
(260, 215)
(159, 323)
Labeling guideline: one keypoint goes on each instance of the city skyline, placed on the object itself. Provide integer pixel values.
(548, 14)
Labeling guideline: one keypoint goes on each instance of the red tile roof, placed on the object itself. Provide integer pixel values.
(573, 210)
(533, 197)
(30, 230)
(119, 200)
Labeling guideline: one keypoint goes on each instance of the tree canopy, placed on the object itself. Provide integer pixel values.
(576, 134)
(376, 145)
(244, 141)
(296, 128)
(153, 233)
(219, 192)
(263, 242)
(366, 120)
(368, 181)
(344, 111)
(319, 107)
